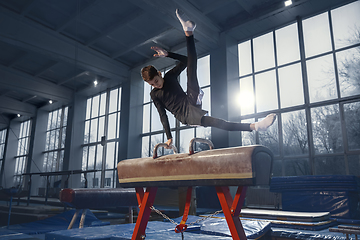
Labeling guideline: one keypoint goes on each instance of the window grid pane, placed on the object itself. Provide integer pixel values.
(290, 78)
(345, 27)
(297, 167)
(295, 137)
(287, 44)
(348, 70)
(264, 52)
(245, 60)
(317, 35)
(352, 113)
(315, 104)
(101, 137)
(270, 138)
(22, 151)
(266, 91)
(326, 129)
(246, 97)
(321, 78)
(55, 142)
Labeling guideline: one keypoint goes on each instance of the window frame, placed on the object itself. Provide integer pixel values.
(307, 106)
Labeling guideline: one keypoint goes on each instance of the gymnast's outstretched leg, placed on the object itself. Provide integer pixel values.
(194, 93)
(263, 125)
(193, 88)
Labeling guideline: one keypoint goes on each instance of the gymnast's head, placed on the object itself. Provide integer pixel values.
(152, 76)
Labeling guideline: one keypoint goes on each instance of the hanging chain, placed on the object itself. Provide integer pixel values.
(163, 215)
(205, 217)
(190, 224)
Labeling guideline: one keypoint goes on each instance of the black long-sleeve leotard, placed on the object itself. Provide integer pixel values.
(173, 98)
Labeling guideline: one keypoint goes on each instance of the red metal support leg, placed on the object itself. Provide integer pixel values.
(239, 200)
(139, 194)
(182, 226)
(146, 201)
(232, 210)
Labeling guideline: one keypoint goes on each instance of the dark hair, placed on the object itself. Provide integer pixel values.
(148, 72)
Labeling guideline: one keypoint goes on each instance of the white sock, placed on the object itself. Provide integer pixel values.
(265, 123)
(188, 26)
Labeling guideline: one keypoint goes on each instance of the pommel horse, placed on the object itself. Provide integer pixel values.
(237, 166)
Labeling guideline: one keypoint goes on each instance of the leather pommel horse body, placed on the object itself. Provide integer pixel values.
(237, 166)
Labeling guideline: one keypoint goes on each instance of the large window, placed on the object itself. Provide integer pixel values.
(2, 146)
(101, 138)
(22, 151)
(153, 131)
(307, 73)
(55, 141)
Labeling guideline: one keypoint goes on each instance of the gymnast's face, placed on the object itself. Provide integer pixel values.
(157, 81)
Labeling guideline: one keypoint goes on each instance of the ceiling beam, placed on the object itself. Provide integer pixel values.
(125, 20)
(28, 6)
(73, 77)
(75, 15)
(30, 36)
(215, 5)
(19, 81)
(155, 35)
(10, 105)
(206, 32)
(196, 15)
(256, 15)
(29, 98)
(166, 62)
(17, 59)
(246, 5)
(45, 68)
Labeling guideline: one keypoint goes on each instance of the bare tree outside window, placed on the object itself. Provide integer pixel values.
(319, 115)
(3, 134)
(349, 71)
(101, 137)
(248, 138)
(352, 120)
(295, 133)
(270, 138)
(333, 165)
(297, 167)
(327, 129)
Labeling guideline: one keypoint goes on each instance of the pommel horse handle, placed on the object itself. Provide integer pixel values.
(162, 145)
(200, 140)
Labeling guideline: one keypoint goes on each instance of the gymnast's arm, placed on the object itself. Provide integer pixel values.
(180, 66)
(181, 58)
(163, 118)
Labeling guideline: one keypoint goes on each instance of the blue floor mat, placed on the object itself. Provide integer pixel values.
(308, 235)
(214, 228)
(6, 234)
(55, 223)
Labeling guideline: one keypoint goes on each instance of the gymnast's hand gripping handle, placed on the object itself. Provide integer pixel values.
(200, 140)
(162, 145)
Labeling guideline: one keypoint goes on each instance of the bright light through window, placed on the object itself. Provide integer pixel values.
(246, 96)
(246, 101)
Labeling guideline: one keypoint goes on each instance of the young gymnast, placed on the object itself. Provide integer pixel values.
(186, 107)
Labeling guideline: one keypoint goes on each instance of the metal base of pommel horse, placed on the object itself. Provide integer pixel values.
(96, 198)
(221, 168)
